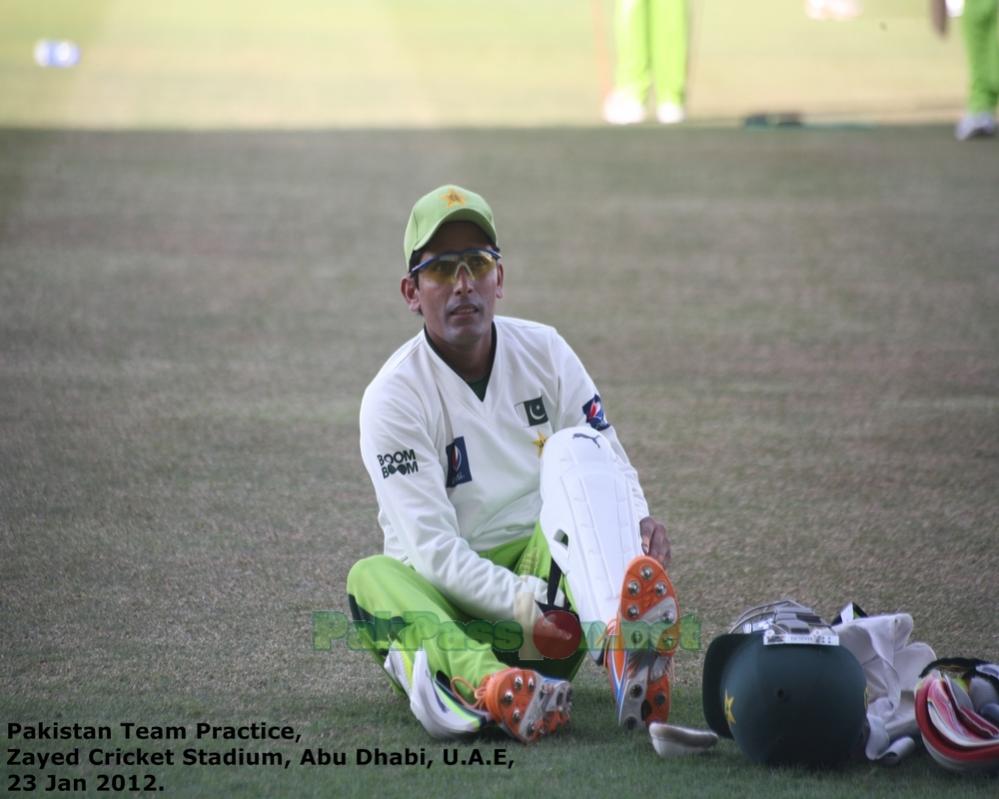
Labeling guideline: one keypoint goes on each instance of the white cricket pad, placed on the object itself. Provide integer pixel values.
(588, 518)
(442, 714)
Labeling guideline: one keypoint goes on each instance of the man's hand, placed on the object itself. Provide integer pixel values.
(655, 542)
(550, 634)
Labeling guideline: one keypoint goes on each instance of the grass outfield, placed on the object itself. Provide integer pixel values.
(402, 63)
(795, 333)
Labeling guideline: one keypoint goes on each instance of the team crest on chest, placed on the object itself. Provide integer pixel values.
(458, 469)
(535, 411)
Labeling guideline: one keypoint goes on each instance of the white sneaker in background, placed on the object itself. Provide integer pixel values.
(670, 113)
(623, 109)
(975, 125)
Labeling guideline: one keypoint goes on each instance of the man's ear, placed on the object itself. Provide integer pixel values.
(410, 293)
(499, 280)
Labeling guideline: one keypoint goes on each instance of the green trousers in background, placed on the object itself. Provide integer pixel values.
(394, 606)
(651, 41)
(981, 41)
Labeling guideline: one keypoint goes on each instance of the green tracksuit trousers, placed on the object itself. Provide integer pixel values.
(651, 43)
(982, 45)
(393, 605)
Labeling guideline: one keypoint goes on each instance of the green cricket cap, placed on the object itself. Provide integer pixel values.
(785, 704)
(448, 203)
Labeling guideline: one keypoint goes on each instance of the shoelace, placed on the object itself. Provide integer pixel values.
(479, 693)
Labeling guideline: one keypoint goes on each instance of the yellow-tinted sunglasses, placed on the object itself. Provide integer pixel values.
(444, 268)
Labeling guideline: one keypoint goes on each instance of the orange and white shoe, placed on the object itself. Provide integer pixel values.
(640, 644)
(525, 704)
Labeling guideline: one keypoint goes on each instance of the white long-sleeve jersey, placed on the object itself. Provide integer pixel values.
(455, 475)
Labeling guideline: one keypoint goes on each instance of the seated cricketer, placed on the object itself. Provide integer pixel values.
(517, 536)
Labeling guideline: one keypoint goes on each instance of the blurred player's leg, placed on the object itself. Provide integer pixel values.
(668, 49)
(632, 75)
(982, 45)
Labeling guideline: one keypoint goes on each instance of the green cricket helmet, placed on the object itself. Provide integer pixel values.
(783, 688)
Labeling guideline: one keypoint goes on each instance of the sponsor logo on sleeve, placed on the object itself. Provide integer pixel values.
(458, 469)
(594, 413)
(536, 412)
(401, 462)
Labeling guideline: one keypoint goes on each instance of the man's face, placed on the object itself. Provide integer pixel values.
(457, 315)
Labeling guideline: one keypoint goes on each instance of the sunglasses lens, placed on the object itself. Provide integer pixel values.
(444, 268)
(479, 263)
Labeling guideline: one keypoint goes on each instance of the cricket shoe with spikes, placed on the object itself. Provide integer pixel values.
(525, 704)
(640, 644)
